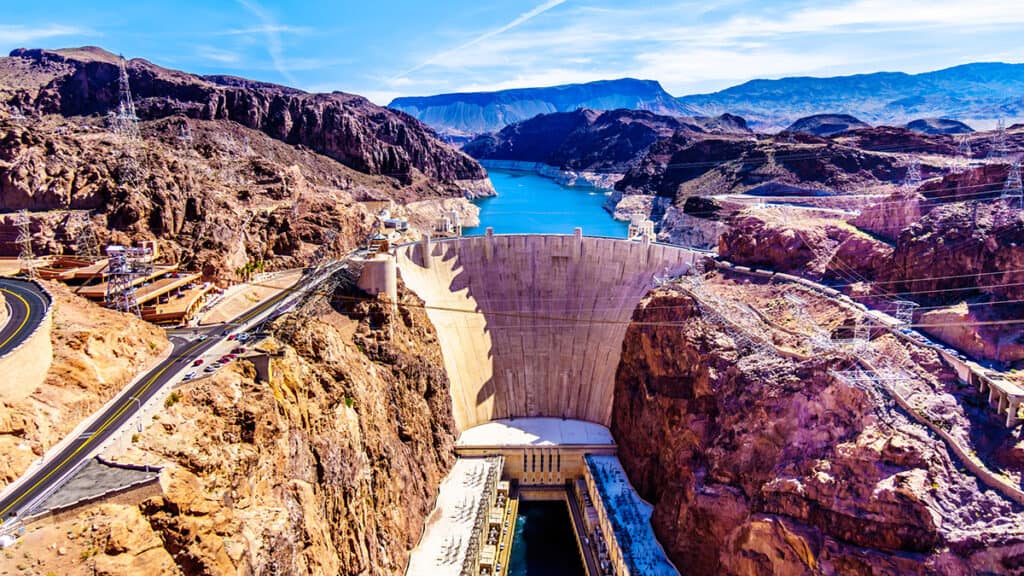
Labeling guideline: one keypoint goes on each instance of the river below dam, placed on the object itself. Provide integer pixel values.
(528, 203)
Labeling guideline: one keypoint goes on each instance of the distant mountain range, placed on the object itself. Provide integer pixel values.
(973, 93)
(479, 112)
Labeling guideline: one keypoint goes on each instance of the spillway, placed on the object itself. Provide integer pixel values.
(532, 325)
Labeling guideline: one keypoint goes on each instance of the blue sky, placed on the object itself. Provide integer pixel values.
(385, 49)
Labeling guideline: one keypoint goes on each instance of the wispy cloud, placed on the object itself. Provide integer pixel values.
(271, 30)
(275, 29)
(521, 19)
(690, 45)
(19, 34)
(218, 55)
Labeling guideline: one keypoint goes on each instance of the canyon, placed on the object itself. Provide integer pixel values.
(743, 379)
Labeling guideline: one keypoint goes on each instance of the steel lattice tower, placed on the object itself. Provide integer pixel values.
(913, 179)
(86, 243)
(1013, 191)
(27, 257)
(126, 121)
(120, 291)
(998, 141)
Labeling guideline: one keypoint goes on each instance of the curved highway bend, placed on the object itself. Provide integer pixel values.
(28, 305)
(52, 473)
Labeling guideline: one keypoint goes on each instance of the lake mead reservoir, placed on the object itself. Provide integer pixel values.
(528, 203)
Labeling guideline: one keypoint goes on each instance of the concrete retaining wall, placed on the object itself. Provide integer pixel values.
(25, 367)
(533, 325)
(5, 315)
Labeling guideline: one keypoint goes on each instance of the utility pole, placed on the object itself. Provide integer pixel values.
(27, 257)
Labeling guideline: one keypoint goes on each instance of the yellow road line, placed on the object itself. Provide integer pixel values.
(93, 436)
(122, 409)
(28, 310)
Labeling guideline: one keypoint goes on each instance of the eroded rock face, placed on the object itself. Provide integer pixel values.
(345, 127)
(330, 469)
(755, 468)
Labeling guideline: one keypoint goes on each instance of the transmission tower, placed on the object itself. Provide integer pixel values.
(17, 115)
(185, 132)
(1013, 191)
(913, 178)
(998, 149)
(85, 240)
(125, 264)
(904, 313)
(963, 158)
(126, 122)
(323, 250)
(27, 257)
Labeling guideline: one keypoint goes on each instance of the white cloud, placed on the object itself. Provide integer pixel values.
(271, 30)
(218, 55)
(267, 29)
(16, 34)
(462, 48)
(697, 45)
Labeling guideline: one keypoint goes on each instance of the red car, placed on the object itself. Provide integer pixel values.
(197, 362)
(232, 337)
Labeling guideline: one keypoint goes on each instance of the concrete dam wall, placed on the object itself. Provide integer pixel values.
(532, 325)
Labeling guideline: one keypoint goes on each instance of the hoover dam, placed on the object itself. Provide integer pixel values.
(531, 329)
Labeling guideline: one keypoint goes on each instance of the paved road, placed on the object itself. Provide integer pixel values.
(54, 471)
(28, 308)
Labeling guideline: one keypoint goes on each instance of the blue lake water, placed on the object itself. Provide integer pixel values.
(528, 203)
(544, 543)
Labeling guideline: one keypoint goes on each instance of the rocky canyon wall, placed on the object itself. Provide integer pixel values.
(758, 466)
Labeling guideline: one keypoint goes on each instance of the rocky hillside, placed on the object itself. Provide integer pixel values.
(759, 464)
(939, 126)
(826, 124)
(345, 127)
(215, 154)
(580, 140)
(970, 92)
(330, 469)
(478, 112)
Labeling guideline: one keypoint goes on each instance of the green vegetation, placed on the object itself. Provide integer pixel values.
(172, 399)
(251, 267)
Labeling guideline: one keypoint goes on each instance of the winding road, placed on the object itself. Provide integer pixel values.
(28, 304)
(58, 468)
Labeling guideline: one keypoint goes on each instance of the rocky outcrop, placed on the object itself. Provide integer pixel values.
(582, 140)
(194, 197)
(961, 249)
(785, 241)
(757, 465)
(826, 124)
(331, 468)
(939, 126)
(345, 127)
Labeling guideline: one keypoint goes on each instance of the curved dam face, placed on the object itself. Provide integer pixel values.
(532, 325)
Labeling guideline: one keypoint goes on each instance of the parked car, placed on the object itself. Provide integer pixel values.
(189, 376)
(232, 337)
(198, 362)
(243, 337)
(211, 368)
(238, 350)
